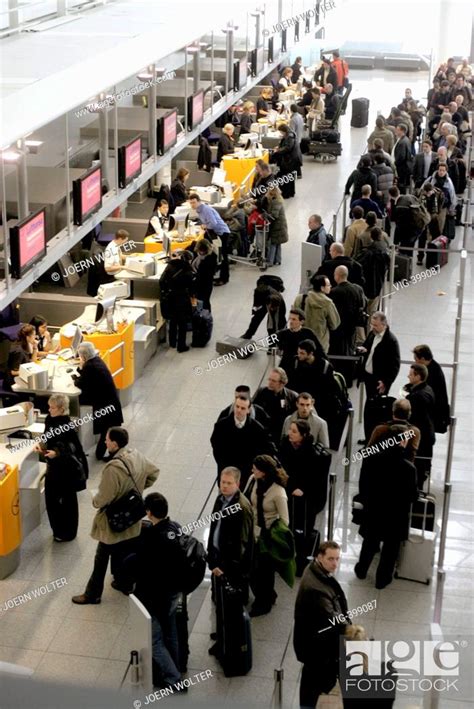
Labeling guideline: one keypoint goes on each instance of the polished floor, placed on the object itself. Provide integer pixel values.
(170, 420)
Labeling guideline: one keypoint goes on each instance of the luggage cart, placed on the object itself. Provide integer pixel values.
(258, 249)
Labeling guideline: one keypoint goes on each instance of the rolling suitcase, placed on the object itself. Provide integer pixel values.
(416, 559)
(236, 345)
(450, 226)
(378, 409)
(423, 512)
(182, 632)
(403, 268)
(360, 112)
(234, 635)
(202, 324)
(437, 254)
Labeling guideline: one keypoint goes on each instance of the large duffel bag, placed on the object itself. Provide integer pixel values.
(327, 135)
(437, 254)
(360, 112)
(202, 324)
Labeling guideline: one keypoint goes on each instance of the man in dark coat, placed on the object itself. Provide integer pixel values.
(402, 213)
(327, 268)
(387, 489)
(288, 158)
(277, 400)
(97, 390)
(230, 546)
(381, 364)
(256, 412)
(403, 157)
(436, 380)
(423, 163)
(238, 439)
(375, 262)
(422, 401)
(350, 302)
(290, 338)
(316, 634)
(176, 285)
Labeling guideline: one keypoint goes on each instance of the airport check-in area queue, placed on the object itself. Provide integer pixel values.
(176, 180)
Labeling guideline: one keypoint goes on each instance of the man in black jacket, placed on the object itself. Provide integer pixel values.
(327, 268)
(381, 363)
(97, 390)
(159, 550)
(403, 157)
(317, 634)
(423, 162)
(407, 230)
(256, 412)
(422, 401)
(387, 489)
(362, 175)
(350, 302)
(238, 439)
(290, 338)
(436, 380)
(375, 262)
(230, 546)
(278, 401)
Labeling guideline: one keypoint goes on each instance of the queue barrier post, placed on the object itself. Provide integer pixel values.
(361, 402)
(332, 503)
(279, 675)
(350, 429)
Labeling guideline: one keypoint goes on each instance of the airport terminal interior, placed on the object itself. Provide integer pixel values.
(85, 153)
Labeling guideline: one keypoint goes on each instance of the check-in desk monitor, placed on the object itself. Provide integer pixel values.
(181, 216)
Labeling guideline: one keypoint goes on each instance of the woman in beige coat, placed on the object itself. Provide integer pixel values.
(320, 312)
(265, 490)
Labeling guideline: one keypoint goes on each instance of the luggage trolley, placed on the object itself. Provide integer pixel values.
(327, 146)
(258, 250)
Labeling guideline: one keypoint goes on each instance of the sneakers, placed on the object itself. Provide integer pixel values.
(84, 600)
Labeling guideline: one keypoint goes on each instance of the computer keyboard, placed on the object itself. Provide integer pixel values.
(67, 353)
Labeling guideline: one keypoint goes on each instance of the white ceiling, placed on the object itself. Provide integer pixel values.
(45, 74)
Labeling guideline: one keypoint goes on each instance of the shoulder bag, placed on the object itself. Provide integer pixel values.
(127, 510)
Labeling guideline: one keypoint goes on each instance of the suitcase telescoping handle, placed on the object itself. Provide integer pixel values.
(425, 501)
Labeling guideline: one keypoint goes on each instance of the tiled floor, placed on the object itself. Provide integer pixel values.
(170, 419)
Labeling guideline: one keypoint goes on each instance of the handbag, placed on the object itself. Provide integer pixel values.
(127, 510)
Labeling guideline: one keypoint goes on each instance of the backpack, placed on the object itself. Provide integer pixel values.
(274, 282)
(421, 216)
(329, 241)
(339, 389)
(193, 562)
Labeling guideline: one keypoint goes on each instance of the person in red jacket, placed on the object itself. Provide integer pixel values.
(341, 68)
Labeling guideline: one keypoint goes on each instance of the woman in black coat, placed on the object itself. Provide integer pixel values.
(387, 489)
(176, 286)
(204, 265)
(66, 469)
(178, 188)
(97, 390)
(307, 484)
(288, 158)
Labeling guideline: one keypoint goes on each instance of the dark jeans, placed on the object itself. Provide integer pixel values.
(165, 643)
(388, 557)
(257, 317)
(314, 682)
(178, 328)
(62, 509)
(224, 267)
(116, 553)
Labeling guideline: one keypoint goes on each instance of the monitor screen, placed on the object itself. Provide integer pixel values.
(240, 74)
(195, 109)
(28, 242)
(168, 131)
(283, 40)
(270, 50)
(130, 161)
(258, 60)
(87, 194)
(76, 340)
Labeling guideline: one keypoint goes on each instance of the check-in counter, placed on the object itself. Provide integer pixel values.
(59, 382)
(239, 165)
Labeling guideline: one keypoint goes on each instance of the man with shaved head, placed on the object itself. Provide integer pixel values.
(350, 302)
(336, 252)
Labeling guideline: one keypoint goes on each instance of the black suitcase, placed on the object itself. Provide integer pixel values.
(327, 135)
(378, 409)
(437, 254)
(403, 268)
(423, 512)
(360, 112)
(450, 226)
(182, 632)
(234, 635)
(202, 324)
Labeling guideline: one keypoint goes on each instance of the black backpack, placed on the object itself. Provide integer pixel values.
(274, 282)
(193, 561)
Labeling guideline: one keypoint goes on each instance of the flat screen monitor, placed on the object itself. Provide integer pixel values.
(240, 73)
(87, 194)
(167, 245)
(130, 161)
(297, 31)
(270, 50)
(167, 131)
(257, 61)
(195, 109)
(283, 40)
(27, 242)
(76, 340)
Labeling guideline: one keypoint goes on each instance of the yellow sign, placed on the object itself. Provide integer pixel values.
(10, 519)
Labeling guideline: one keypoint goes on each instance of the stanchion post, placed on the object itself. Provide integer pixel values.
(334, 225)
(392, 271)
(344, 216)
(347, 469)
(332, 503)
(279, 675)
(361, 402)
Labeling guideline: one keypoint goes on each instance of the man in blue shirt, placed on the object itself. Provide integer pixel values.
(215, 227)
(367, 203)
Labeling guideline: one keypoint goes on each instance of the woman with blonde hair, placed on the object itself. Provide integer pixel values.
(246, 119)
(265, 490)
(274, 208)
